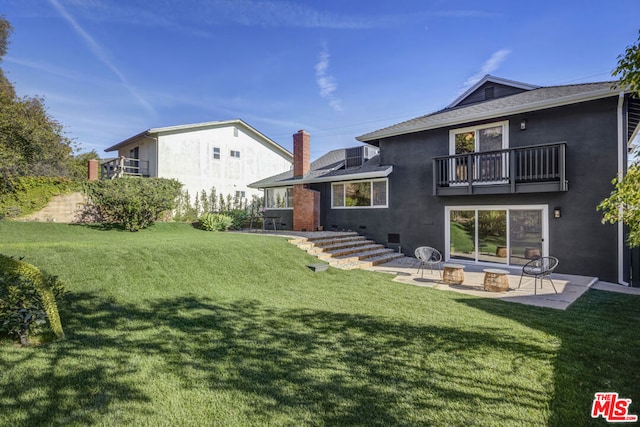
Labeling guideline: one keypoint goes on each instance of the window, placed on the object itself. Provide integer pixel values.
(487, 168)
(503, 234)
(279, 198)
(476, 139)
(360, 194)
(240, 194)
(216, 153)
(235, 154)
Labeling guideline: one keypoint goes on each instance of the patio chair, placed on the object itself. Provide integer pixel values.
(539, 269)
(429, 256)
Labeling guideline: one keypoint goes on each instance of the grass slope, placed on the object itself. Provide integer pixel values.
(175, 326)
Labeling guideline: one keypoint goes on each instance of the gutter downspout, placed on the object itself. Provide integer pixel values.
(621, 150)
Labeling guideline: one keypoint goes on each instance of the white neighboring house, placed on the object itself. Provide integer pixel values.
(227, 155)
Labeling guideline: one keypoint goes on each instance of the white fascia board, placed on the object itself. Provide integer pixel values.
(349, 177)
(524, 108)
(269, 142)
(127, 141)
(339, 178)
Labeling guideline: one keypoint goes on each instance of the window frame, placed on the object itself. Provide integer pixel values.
(216, 152)
(476, 129)
(371, 206)
(286, 198)
(234, 154)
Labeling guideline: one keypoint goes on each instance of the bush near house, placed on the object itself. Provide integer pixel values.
(241, 210)
(133, 203)
(28, 300)
(215, 222)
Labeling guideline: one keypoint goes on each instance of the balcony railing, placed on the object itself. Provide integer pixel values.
(123, 166)
(539, 168)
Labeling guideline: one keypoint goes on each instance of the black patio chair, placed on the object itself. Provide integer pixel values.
(429, 256)
(539, 269)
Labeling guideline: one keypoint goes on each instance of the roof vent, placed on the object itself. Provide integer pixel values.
(357, 156)
(489, 92)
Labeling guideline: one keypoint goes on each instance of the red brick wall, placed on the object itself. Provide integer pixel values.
(301, 154)
(92, 170)
(306, 208)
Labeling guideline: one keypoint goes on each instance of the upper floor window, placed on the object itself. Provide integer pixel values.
(360, 194)
(216, 153)
(235, 154)
(240, 194)
(489, 137)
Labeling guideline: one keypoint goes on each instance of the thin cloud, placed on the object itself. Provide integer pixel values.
(488, 67)
(97, 50)
(326, 82)
(185, 15)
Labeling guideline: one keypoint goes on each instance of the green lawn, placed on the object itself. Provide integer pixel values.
(179, 327)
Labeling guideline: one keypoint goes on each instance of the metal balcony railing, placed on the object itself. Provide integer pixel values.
(537, 168)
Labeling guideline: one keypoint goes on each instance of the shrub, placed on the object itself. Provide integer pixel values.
(28, 299)
(215, 222)
(134, 203)
(239, 218)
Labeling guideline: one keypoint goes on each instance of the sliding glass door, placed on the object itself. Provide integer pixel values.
(496, 234)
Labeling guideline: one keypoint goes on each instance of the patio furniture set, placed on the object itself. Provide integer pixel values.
(495, 279)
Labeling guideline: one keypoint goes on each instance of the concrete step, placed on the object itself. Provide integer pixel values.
(377, 251)
(349, 251)
(320, 235)
(328, 241)
(341, 245)
(369, 262)
(346, 250)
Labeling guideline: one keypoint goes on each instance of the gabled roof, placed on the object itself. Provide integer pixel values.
(154, 132)
(328, 168)
(491, 79)
(529, 100)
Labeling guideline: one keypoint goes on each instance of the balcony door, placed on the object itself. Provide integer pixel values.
(487, 168)
(506, 235)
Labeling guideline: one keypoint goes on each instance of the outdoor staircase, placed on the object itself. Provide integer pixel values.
(346, 250)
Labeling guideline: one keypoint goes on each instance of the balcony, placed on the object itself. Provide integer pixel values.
(532, 169)
(122, 166)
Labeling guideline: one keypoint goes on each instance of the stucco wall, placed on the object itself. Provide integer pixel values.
(578, 239)
(188, 157)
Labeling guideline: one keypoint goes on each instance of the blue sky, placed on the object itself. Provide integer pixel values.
(109, 69)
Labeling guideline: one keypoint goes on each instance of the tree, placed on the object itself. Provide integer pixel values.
(623, 205)
(31, 141)
(78, 170)
(628, 68)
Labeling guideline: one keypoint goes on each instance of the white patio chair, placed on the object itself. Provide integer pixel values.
(429, 256)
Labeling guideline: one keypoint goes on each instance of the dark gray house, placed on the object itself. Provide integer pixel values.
(506, 173)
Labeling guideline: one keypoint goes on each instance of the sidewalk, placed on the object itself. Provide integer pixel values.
(570, 287)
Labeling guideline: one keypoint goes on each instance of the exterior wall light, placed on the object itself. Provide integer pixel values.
(556, 213)
(523, 124)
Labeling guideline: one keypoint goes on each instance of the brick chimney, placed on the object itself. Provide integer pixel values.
(301, 153)
(92, 170)
(306, 202)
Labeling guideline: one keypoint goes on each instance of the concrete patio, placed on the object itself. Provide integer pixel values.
(570, 287)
